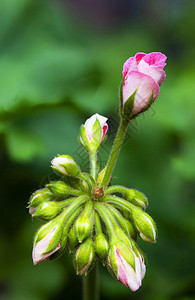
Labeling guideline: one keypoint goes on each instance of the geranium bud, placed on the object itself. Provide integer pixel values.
(137, 198)
(38, 197)
(93, 132)
(82, 227)
(58, 188)
(65, 165)
(142, 76)
(46, 241)
(47, 210)
(84, 257)
(125, 265)
(72, 239)
(144, 224)
(101, 246)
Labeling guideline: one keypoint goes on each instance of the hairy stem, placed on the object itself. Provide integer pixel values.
(114, 152)
(90, 285)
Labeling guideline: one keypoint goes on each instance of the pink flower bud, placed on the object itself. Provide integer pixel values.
(143, 74)
(89, 126)
(124, 271)
(41, 247)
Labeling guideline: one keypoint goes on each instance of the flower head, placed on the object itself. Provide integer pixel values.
(143, 74)
(93, 132)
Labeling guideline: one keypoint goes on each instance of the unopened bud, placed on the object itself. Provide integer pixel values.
(82, 227)
(93, 132)
(125, 265)
(46, 241)
(144, 224)
(83, 224)
(47, 210)
(101, 246)
(58, 188)
(40, 196)
(84, 257)
(137, 198)
(72, 239)
(65, 165)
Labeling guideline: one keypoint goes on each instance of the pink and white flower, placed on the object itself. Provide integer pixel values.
(91, 121)
(143, 74)
(125, 273)
(41, 247)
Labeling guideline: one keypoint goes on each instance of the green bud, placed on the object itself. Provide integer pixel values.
(40, 196)
(83, 224)
(144, 224)
(72, 239)
(47, 210)
(58, 188)
(84, 257)
(101, 246)
(137, 198)
(65, 165)
(82, 227)
(131, 229)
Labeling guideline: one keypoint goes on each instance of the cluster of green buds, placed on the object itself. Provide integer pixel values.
(93, 221)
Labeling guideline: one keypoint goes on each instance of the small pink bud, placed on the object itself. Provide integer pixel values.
(143, 74)
(41, 247)
(91, 121)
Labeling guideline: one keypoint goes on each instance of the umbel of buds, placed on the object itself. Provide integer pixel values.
(84, 212)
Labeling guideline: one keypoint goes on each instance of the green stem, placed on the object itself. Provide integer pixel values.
(119, 201)
(114, 152)
(93, 161)
(86, 179)
(66, 202)
(116, 189)
(98, 227)
(106, 218)
(90, 285)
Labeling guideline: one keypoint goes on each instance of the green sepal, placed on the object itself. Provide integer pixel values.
(128, 107)
(47, 210)
(96, 136)
(83, 138)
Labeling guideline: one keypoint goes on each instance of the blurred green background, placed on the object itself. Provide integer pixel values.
(61, 62)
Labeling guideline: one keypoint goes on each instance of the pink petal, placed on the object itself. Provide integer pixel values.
(155, 59)
(157, 73)
(104, 130)
(144, 85)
